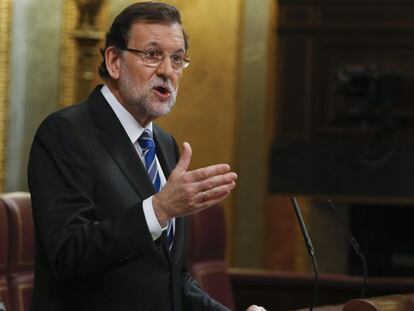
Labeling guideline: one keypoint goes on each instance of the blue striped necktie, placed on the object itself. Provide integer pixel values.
(147, 145)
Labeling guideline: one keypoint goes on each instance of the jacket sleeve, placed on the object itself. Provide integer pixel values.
(75, 242)
(195, 299)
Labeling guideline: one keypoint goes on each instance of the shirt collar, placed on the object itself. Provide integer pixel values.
(128, 122)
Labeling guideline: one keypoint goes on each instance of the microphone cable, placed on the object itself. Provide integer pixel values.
(310, 249)
(355, 246)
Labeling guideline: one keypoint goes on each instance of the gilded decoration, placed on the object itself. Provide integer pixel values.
(79, 53)
(5, 27)
(68, 55)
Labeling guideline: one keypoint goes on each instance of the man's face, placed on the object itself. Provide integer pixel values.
(149, 92)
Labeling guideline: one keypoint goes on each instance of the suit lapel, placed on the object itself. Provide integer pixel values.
(116, 141)
(162, 149)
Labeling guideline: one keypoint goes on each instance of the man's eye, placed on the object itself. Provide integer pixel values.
(152, 54)
(176, 59)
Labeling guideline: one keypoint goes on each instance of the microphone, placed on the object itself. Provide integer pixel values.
(310, 249)
(355, 246)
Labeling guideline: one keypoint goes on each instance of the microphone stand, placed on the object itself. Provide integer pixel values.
(310, 249)
(355, 246)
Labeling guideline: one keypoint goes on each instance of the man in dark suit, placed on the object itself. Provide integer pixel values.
(109, 189)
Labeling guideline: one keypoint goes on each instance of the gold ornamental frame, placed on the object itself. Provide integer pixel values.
(79, 49)
(5, 31)
(68, 55)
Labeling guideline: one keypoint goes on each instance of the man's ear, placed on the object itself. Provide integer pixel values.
(112, 61)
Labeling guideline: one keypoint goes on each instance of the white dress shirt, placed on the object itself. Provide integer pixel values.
(134, 131)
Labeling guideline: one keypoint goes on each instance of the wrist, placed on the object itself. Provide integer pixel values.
(159, 208)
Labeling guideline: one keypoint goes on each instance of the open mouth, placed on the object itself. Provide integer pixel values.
(162, 90)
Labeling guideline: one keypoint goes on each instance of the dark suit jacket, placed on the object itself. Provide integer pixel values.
(93, 247)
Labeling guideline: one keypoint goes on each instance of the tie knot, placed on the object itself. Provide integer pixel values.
(145, 141)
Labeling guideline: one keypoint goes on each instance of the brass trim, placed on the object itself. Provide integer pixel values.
(5, 30)
(68, 54)
(20, 289)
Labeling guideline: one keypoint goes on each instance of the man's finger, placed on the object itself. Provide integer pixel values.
(209, 197)
(209, 171)
(185, 158)
(203, 205)
(214, 181)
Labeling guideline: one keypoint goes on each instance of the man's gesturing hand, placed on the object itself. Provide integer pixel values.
(188, 192)
(255, 308)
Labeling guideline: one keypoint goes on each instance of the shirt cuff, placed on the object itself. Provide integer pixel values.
(152, 221)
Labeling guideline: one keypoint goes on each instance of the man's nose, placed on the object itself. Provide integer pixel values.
(164, 69)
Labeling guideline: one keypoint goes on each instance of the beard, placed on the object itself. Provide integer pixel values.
(140, 98)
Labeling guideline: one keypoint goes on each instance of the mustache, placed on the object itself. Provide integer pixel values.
(167, 84)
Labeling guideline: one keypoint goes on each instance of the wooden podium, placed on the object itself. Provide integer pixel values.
(384, 303)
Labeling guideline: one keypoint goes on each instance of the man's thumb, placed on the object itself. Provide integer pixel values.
(185, 158)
